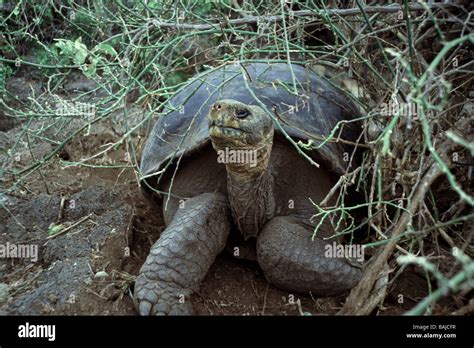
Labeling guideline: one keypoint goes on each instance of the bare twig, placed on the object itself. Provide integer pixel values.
(356, 302)
(70, 227)
(303, 13)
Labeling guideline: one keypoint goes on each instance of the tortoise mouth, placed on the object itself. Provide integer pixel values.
(220, 131)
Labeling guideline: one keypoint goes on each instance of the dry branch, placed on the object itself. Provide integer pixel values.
(303, 13)
(360, 296)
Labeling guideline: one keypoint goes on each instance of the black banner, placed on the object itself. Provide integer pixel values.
(316, 330)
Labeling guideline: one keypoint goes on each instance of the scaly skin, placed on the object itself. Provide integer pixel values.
(181, 257)
(292, 261)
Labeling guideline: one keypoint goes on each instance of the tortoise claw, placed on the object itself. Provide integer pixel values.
(144, 308)
(153, 298)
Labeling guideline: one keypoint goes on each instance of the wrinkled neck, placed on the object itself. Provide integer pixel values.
(250, 192)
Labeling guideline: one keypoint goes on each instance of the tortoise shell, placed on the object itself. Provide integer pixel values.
(311, 113)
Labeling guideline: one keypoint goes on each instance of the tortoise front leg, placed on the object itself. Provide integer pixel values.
(182, 256)
(291, 261)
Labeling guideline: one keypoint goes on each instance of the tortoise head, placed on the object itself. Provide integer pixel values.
(242, 135)
(236, 125)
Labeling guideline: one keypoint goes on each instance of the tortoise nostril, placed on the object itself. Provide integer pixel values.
(217, 106)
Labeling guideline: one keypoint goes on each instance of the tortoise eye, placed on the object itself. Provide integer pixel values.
(242, 113)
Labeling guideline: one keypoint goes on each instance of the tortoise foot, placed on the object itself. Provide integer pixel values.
(155, 298)
(181, 257)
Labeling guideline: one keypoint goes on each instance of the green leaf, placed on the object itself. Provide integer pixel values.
(16, 10)
(76, 51)
(81, 52)
(65, 46)
(105, 49)
(89, 70)
(54, 229)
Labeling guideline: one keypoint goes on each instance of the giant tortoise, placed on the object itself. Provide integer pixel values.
(225, 159)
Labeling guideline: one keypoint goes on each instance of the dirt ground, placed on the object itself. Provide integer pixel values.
(232, 286)
(108, 229)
